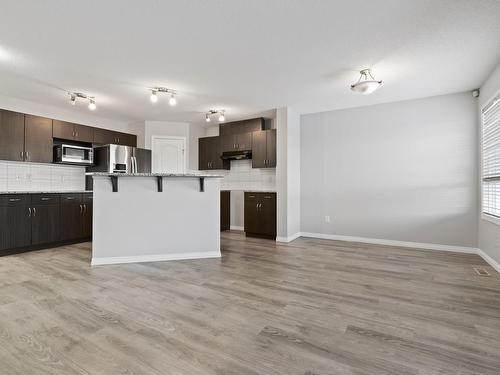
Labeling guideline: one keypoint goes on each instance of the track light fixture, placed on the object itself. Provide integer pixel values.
(212, 112)
(73, 96)
(154, 94)
(153, 97)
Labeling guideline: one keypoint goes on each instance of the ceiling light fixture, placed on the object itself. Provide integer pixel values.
(212, 112)
(154, 94)
(73, 96)
(92, 105)
(153, 97)
(172, 101)
(366, 83)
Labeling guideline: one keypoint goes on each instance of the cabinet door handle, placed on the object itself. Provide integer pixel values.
(46, 199)
(84, 208)
(81, 209)
(34, 211)
(14, 199)
(26, 155)
(22, 155)
(29, 211)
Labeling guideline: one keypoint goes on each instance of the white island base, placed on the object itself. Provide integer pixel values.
(139, 223)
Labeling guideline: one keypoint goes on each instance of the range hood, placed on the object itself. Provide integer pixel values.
(237, 155)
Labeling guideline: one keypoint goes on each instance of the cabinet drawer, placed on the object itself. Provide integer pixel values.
(70, 198)
(87, 197)
(42, 199)
(14, 199)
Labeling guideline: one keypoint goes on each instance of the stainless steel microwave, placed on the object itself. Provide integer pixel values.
(70, 154)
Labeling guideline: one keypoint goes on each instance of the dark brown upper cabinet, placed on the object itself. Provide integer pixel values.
(237, 142)
(71, 131)
(37, 139)
(209, 154)
(104, 137)
(239, 127)
(11, 135)
(264, 149)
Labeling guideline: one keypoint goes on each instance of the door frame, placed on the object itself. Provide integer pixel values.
(160, 137)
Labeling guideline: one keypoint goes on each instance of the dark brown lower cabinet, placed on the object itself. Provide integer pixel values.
(76, 216)
(87, 215)
(45, 218)
(34, 221)
(260, 214)
(225, 210)
(15, 222)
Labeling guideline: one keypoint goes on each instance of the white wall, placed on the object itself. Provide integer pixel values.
(402, 171)
(489, 233)
(288, 173)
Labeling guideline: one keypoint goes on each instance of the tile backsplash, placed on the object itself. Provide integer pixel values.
(242, 176)
(19, 176)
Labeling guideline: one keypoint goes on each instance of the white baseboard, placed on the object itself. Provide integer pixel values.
(234, 227)
(154, 258)
(492, 262)
(378, 241)
(289, 238)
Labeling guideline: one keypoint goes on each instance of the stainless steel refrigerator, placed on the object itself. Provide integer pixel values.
(119, 159)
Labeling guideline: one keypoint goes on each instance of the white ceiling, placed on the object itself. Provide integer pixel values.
(241, 55)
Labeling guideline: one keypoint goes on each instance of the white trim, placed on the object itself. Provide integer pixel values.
(291, 238)
(235, 227)
(492, 262)
(378, 241)
(155, 258)
(491, 219)
(184, 150)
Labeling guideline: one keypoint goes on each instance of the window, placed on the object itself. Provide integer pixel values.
(491, 158)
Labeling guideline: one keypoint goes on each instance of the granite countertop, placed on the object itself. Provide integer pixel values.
(46, 191)
(154, 174)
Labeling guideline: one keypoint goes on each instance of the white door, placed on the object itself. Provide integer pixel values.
(169, 154)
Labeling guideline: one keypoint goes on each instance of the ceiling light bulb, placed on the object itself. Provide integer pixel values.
(73, 99)
(222, 118)
(172, 101)
(207, 118)
(366, 86)
(153, 97)
(92, 105)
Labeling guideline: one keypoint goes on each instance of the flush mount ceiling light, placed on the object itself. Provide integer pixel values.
(366, 83)
(73, 96)
(212, 112)
(154, 95)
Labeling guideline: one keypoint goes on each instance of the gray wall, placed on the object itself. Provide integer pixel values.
(489, 233)
(402, 171)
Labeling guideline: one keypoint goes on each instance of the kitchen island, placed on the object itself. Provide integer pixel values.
(146, 217)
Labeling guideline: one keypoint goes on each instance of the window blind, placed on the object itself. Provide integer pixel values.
(491, 158)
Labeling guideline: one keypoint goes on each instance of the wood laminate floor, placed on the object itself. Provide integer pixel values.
(310, 307)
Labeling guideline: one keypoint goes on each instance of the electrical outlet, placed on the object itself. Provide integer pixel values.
(327, 218)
